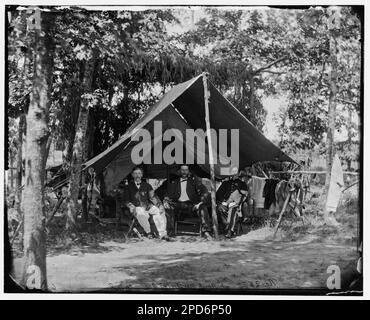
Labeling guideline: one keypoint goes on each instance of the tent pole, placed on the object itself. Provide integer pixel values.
(207, 95)
(167, 178)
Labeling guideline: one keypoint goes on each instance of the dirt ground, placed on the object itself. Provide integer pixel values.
(251, 261)
(298, 257)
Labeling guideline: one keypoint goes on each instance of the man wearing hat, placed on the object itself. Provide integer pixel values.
(229, 197)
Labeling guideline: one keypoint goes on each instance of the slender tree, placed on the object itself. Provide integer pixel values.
(79, 145)
(34, 267)
(330, 150)
(20, 161)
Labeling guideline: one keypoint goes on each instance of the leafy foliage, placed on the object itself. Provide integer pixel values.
(307, 78)
(249, 54)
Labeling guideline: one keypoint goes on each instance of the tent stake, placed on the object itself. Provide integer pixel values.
(207, 95)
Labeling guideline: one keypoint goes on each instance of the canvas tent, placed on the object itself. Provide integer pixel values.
(183, 107)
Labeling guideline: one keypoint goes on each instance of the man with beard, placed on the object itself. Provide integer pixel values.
(143, 204)
(187, 195)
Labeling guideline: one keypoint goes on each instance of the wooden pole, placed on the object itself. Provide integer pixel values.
(281, 213)
(167, 178)
(207, 95)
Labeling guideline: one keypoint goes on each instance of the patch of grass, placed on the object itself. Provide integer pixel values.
(345, 232)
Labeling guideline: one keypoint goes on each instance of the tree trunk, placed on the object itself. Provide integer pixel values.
(251, 97)
(79, 147)
(34, 267)
(19, 181)
(87, 154)
(19, 160)
(47, 150)
(11, 156)
(237, 93)
(48, 145)
(331, 111)
(349, 137)
(76, 166)
(84, 200)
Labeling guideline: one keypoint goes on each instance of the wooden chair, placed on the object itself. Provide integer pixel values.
(185, 218)
(123, 217)
(133, 228)
(188, 222)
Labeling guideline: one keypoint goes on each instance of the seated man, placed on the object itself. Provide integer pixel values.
(142, 203)
(245, 177)
(229, 196)
(188, 194)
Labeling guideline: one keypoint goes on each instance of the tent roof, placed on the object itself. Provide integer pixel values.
(101, 160)
(122, 165)
(187, 99)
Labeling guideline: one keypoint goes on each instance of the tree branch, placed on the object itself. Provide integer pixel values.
(347, 101)
(269, 65)
(273, 72)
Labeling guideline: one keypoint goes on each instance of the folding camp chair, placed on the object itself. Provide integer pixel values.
(122, 212)
(133, 228)
(131, 222)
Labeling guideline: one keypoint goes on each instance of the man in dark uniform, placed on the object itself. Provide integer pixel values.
(188, 194)
(229, 197)
(143, 203)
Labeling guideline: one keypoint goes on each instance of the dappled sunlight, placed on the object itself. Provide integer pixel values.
(253, 263)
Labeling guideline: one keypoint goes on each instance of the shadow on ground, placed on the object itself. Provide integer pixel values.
(256, 265)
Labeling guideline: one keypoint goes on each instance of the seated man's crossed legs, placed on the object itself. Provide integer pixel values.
(228, 217)
(159, 218)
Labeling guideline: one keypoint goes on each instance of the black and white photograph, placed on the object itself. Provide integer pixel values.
(183, 149)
